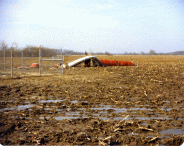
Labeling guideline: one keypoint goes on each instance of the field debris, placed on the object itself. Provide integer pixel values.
(34, 65)
(95, 62)
(87, 60)
(24, 67)
(122, 121)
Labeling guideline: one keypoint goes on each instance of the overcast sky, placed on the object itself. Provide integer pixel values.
(114, 26)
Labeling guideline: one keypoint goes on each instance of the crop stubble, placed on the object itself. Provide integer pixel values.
(111, 105)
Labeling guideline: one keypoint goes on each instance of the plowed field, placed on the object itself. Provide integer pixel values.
(133, 105)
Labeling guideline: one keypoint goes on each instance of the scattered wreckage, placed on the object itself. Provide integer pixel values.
(88, 61)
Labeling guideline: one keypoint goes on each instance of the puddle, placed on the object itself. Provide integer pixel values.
(4, 109)
(23, 107)
(19, 107)
(104, 112)
(109, 107)
(6, 101)
(161, 137)
(132, 133)
(59, 118)
(141, 109)
(173, 131)
(153, 118)
(48, 101)
(62, 118)
(74, 101)
(117, 110)
(76, 114)
(168, 109)
(103, 107)
(59, 110)
(55, 101)
(47, 109)
(121, 118)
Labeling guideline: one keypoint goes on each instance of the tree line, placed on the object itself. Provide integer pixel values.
(32, 51)
(29, 51)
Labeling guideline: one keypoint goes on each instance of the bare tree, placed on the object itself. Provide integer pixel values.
(107, 53)
(4, 47)
(142, 53)
(152, 52)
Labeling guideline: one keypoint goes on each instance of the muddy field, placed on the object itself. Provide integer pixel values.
(133, 105)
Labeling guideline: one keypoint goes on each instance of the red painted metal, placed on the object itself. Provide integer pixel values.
(35, 65)
(116, 63)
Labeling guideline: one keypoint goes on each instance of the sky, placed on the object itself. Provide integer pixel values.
(114, 26)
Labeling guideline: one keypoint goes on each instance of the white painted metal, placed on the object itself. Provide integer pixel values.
(80, 60)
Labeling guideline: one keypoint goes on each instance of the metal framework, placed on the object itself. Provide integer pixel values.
(49, 60)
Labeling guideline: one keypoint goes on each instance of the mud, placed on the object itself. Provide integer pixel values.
(140, 105)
